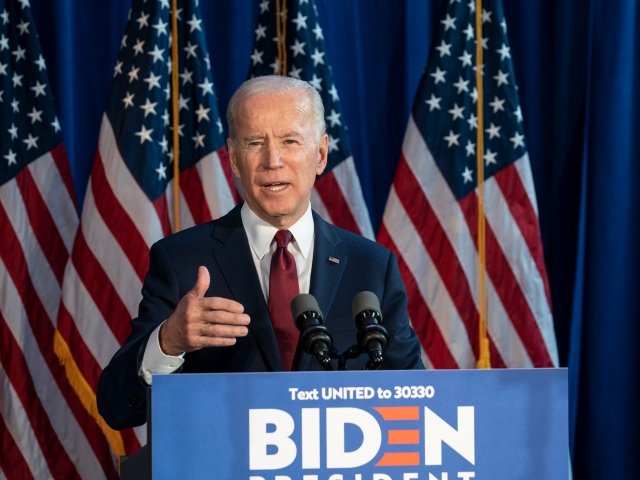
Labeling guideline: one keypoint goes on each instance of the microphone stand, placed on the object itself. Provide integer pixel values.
(351, 353)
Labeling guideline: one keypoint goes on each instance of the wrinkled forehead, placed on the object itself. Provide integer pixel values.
(279, 99)
(275, 108)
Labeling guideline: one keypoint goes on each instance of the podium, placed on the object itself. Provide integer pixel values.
(359, 425)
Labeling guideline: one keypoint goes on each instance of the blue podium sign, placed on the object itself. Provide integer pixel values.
(365, 425)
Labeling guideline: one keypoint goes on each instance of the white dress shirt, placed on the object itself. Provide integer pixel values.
(261, 242)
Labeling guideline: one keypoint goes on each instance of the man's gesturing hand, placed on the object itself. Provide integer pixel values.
(200, 321)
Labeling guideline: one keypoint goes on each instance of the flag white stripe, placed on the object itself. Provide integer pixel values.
(19, 426)
(96, 333)
(450, 217)
(141, 433)
(502, 332)
(517, 253)
(61, 417)
(523, 168)
(216, 187)
(429, 282)
(318, 205)
(58, 200)
(109, 253)
(505, 338)
(443, 203)
(125, 188)
(545, 320)
(186, 218)
(346, 176)
(38, 266)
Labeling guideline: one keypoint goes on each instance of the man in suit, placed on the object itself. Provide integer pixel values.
(206, 297)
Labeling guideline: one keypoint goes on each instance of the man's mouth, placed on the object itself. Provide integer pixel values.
(275, 187)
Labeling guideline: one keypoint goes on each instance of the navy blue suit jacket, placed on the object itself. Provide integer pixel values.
(343, 265)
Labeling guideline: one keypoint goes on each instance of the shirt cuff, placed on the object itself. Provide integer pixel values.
(155, 361)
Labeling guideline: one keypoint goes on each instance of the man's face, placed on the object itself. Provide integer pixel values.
(277, 154)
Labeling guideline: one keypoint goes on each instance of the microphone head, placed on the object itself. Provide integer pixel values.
(372, 336)
(365, 301)
(315, 339)
(304, 303)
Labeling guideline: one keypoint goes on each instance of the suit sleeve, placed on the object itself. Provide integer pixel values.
(122, 394)
(403, 351)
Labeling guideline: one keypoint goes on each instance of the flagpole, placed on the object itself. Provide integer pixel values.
(281, 29)
(175, 113)
(484, 358)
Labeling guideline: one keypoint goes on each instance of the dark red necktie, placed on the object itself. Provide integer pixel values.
(283, 286)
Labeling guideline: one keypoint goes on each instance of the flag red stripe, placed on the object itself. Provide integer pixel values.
(59, 155)
(130, 440)
(83, 357)
(12, 463)
(162, 210)
(525, 217)
(17, 371)
(440, 249)
(118, 221)
(42, 224)
(193, 192)
(59, 462)
(43, 331)
(424, 324)
(508, 289)
(100, 288)
(223, 155)
(333, 198)
(91, 370)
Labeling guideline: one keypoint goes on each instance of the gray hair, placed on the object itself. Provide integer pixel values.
(275, 84)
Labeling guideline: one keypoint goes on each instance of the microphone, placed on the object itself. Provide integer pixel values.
(372, 336)
(315, 339)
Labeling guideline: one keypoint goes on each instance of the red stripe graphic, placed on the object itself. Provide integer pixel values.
(399, 413)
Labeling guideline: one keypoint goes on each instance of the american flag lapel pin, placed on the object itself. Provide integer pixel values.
(334, 260)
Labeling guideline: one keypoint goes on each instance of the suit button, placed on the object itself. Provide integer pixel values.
(134, 400)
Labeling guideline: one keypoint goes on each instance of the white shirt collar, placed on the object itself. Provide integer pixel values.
(261, 233)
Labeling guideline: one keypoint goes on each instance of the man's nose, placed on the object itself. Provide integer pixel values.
(273, 157)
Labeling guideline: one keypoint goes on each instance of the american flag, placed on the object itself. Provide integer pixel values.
(127, 206)
(44, 430)
(430, 219)
(293, 28)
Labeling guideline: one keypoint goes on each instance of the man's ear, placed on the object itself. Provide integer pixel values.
(323, 153)
(232, 157)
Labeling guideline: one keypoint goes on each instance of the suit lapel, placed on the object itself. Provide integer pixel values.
(329, 263)
(232, 253)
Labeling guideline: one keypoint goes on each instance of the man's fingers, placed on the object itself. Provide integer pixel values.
(202, 283)
(222, 304)
(217, 330)
(223, 317)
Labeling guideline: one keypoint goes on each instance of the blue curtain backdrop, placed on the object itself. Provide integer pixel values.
(577, 67)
